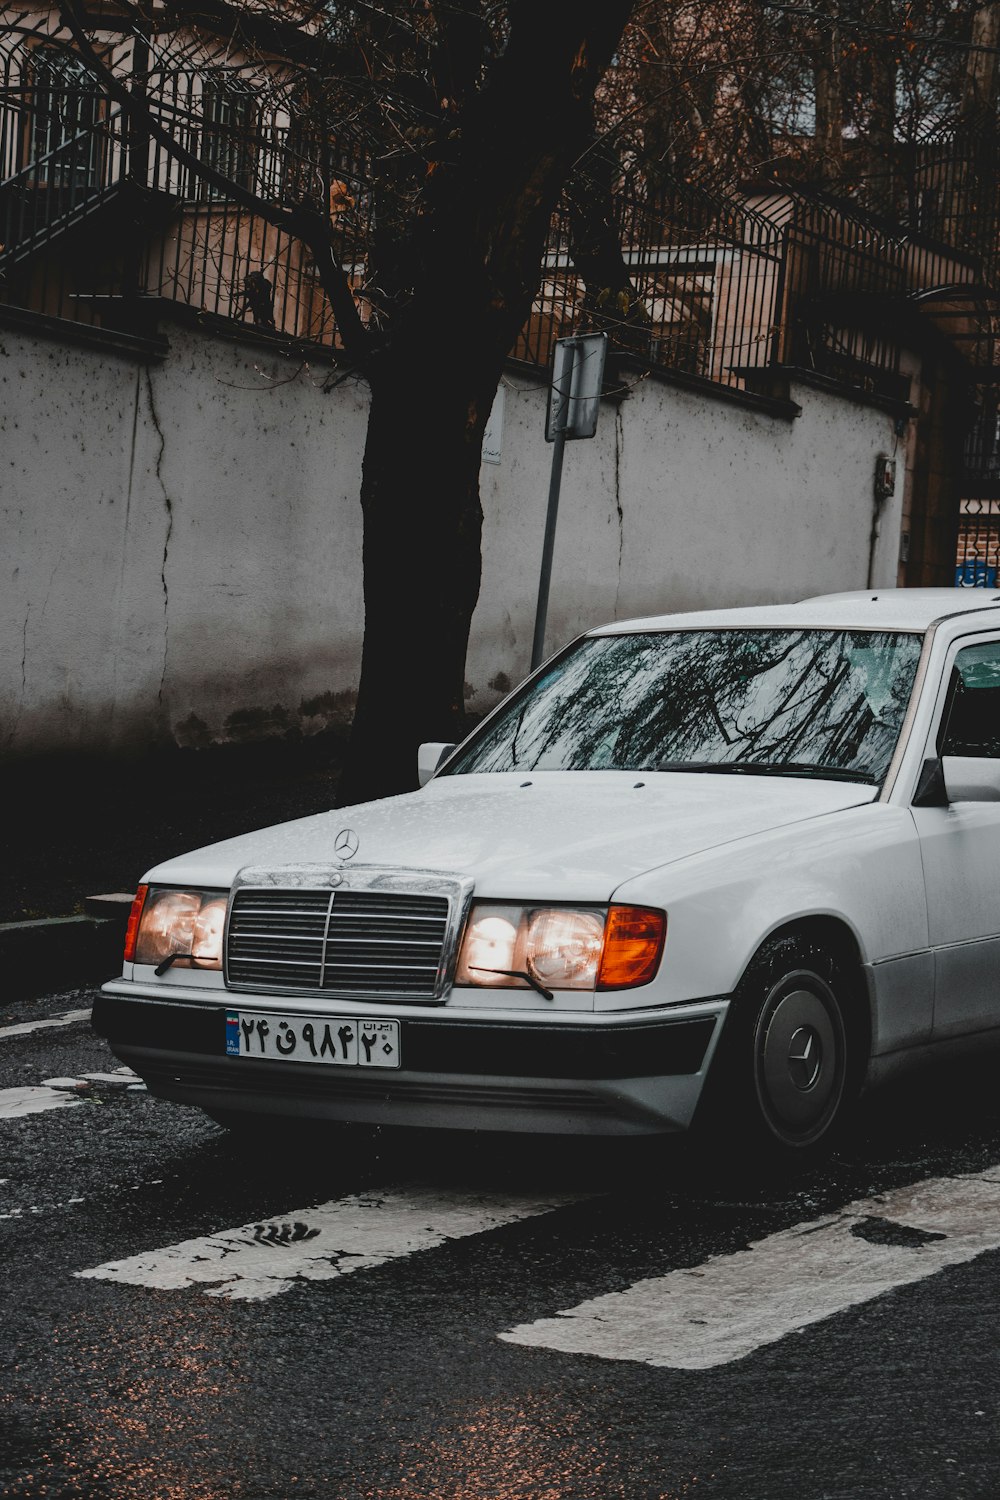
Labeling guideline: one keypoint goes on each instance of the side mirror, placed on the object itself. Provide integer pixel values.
(971, 778)
(931, 791)
(429, 757)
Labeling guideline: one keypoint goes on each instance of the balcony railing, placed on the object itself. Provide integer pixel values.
(61, 186)
(731, 292)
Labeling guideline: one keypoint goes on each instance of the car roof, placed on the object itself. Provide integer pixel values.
(868, 609)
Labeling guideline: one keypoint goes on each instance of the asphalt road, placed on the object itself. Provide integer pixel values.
(852, 1352)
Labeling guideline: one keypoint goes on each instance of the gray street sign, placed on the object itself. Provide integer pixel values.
(575, 392)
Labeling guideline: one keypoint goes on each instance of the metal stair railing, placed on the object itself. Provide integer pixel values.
(58, 189)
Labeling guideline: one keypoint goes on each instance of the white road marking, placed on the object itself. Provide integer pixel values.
(57, 1093)
(15, 1103)
(66, 1019)
(123, 1077)
(729, 1306)
(263, 1259)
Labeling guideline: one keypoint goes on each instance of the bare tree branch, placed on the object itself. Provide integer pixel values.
(312, 228)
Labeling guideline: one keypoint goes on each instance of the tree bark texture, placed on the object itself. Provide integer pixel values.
(829, 101)
(610, 303)
(881, 135)
(979, 95)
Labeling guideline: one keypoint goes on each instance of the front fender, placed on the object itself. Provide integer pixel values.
(860, 867)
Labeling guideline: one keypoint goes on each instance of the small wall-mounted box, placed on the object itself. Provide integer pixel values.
(885, 477)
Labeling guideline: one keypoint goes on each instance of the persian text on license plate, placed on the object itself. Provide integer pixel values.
(341, 1041)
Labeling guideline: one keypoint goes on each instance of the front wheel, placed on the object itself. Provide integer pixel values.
(799, 1059)
(786, 1072)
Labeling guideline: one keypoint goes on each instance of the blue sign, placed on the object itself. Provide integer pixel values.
(975, 573)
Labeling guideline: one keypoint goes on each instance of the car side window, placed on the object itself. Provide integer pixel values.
(971, 722)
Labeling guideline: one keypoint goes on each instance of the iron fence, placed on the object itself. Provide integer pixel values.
(953, 192)
(704, 284)
(68, 154)
(728, 291)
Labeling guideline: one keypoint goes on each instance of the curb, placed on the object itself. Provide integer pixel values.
(60, 953)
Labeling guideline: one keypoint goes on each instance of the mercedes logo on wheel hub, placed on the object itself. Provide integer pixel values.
(805, 1057)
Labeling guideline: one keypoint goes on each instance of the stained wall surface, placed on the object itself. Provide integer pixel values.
(180, 542)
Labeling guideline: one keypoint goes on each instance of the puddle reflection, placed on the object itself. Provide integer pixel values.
(533, 1448)
(134, 1412)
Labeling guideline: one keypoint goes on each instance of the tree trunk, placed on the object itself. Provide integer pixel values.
(829, 103)
(979, 95)
(971, 186)
(462, 286)
(881, 141)
(610, 302)
(422, 557)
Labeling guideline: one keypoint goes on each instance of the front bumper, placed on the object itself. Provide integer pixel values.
(638, 1073)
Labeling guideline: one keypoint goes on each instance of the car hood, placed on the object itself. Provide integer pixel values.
(552, 835)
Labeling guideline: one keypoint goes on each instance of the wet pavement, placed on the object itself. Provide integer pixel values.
(257, 1370)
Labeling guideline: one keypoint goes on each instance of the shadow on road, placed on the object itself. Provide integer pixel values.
(942, 1120)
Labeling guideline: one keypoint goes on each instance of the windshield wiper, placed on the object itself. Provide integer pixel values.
(767, 768)
(516, 974)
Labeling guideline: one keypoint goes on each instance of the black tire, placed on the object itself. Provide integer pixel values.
(790, 1059)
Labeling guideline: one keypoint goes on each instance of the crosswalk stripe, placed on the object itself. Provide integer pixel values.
(33, 1099)
(59, 1093)
(724, 1309)
(264, 1258)
(68, 1018)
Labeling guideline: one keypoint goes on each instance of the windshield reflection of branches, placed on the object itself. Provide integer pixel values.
(758, 697)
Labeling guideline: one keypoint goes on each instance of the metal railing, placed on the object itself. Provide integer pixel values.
(721, 290)
(705, 279)
(219, 257)
(953, 192)
(58, 188)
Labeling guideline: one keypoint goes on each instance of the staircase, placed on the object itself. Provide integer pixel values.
(61, 188)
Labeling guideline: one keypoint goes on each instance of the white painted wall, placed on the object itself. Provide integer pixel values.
(680, 502)
(180, 544)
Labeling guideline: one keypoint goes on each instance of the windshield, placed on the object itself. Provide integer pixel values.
(793, 702)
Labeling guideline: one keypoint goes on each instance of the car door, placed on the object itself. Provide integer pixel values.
(960, 848)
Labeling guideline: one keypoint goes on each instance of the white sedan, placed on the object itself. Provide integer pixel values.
(720, 869)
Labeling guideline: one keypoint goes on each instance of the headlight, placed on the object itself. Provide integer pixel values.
(564, 947)
(561, 947)
(489, 946)
(182, 927)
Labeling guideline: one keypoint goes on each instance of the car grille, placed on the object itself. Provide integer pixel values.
(372, 943)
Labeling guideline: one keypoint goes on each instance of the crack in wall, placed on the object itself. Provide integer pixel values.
(619, 440)
(120, 601)
(154, 418)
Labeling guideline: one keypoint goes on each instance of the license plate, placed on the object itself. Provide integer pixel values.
(339, 1041)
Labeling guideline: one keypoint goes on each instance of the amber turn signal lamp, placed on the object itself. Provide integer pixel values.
(132, 930)
(633, 942)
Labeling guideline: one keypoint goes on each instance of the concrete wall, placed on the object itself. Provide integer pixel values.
(180, 543)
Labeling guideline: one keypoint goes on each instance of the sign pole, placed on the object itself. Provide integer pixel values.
(574, 403)
(548, 548)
